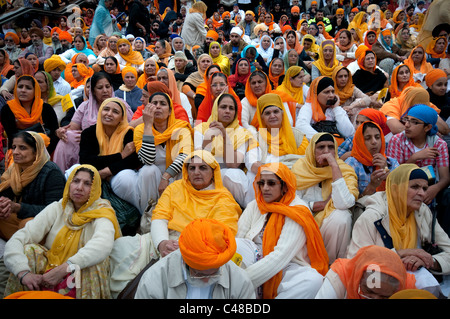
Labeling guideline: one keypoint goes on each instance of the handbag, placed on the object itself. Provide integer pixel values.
(328, 127)
(130, 289)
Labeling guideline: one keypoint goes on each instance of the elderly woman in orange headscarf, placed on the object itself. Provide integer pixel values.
(162, 143)
(128, 57)
(350, 278)
(399, 220)
(322, 104)
(402, 77)
(150, 70)
(369, 160)
(417, 62)
(283, 270)
(330, 187)
(352, 99)
(326, 62)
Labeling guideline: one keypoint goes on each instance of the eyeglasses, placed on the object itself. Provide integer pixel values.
(363, 295)
(411, 121)
(199, 275)
(270, 183)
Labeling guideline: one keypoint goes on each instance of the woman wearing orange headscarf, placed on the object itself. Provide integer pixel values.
(417, 62)
(128, 57)
(368, 78)
(28, 111)
(276, 72)
(417, 24)
(345, 47)
(369, 159)
(80, 73)
(151, 68)
(284, 271)
(348, 278)
(436, 50)
(402, 78)
(6, 68)
(351, 98)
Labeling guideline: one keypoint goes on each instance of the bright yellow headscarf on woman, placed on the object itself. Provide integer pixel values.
(308, 174)
(177, 136)
(113, 144)
(300, 214)
(67, 241)
(16, 177)
(402, 226)
(221, 60)
(284, 142)
(326, 69)
(236, 133)
(286, 86)
(181, 203)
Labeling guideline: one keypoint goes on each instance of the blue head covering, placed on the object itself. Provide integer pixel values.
(244, 53)
(426, 114)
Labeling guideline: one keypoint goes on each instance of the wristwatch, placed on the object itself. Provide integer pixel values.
(72, 267)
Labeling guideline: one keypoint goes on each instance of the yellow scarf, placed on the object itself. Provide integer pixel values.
(181, 203)
(402, 227)
(324, 68)
(308, 175)
(284, 142)
(177, 136)
(286, 86)
(221, 60)
(236, 133)
(16, 177)
(131, 57)
(113, 144)
(67, 241)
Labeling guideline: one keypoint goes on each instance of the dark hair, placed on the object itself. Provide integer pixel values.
(213, 66)
(97, 76)
(369, 124)
(27, 138)
(166, 96)
(79, 36)
(85, 169)
(219, 74)
(251, 50)
(257, 73)
(112, 58)
(162, 42)
(232, 97)
(28, 78)
(347, 32)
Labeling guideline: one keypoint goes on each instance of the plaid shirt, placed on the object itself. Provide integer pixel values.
(363, 172)
(401, 148)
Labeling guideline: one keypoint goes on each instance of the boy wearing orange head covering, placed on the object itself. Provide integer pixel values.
(202, 268)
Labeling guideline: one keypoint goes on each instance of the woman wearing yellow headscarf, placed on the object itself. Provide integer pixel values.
(162, 143)
(326, 62)
(229, 143)
(398, 219)
(293, 85)
(359, 22)
(30, 183)
(310, 46)
(128, 57)
(108, 146)
(215, 51)
(196, 195)
(278, 140)
(284, 271)
(77, 234)
(417, 23)
(330, 186)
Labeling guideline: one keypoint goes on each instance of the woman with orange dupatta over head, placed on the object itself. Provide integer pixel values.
(436, 50)
(369, 160)
(270, 231)
(417, 62)
(402, 78)
(351, 278)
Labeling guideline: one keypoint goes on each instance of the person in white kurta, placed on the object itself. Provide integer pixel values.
(291, 253)
(330, 187)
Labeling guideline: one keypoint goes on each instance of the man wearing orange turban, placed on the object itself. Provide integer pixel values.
(12, 45)
(202, 268)
(66, 42)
